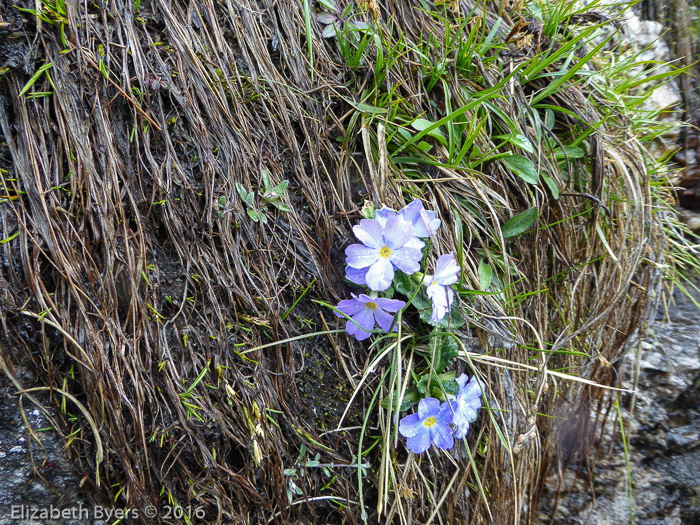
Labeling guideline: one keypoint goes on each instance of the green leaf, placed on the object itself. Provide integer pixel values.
(410, 398)
(522, 167)
(276, 192)
(551, 185)
(520, 223)
(253, 215)
(35, 77)
(443, 382)
(421, 124)
(263, 217)
(445, 354)
(520, 141)
(366, 108)
(485, 275)
(368, 210)
(242, 192)
(573, 152)
(281, 206)
(424, 146)
(266, 180)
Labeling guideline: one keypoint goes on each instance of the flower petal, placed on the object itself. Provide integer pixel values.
(380, 275)
(461, 381)
(411, 211)
(420, 442)
(446, 269)
(442, 436)
(357, 276)
(397, 232)
(414, 242)
(473, 388)
(358, 332)
(370, 233)
(411, 425)
(359, 256)
(426, 224)
(440, 297)
(406, 259)
(428, 407)
(365, 318)
(390, 305)
(384, 320)
(462, 430)
(384, 215)
(446, 412)
(349, 307)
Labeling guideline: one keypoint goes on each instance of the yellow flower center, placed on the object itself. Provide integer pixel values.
(371, 305)
(384, 252)
(431, 421)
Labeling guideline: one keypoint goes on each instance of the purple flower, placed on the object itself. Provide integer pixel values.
(425, 223)
(383, 249)
(365, 311)
(431, 424)
(467, 403)
(439, 290)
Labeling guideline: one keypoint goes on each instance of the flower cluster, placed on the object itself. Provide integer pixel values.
(431, 424)
(393, 240)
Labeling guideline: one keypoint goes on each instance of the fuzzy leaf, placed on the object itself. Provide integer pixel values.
(522, 167)
(266, 180)
(329, 31)
(520, 223)
(253, 215)
(281, 206)
(242, 192)
(326, 18)
(276, 192)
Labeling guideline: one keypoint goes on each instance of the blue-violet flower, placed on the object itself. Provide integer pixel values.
(431, 424)
(439, 290)
(425, 223)
(365, 311)
(466, 404)
(383, 249)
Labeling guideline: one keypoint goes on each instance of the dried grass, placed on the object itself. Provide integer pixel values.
(127, 279)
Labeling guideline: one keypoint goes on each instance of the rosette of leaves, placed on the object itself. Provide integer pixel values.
(338, 20)
(272, 195)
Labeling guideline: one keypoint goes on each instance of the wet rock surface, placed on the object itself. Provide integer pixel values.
(23, 492)
(663, 435)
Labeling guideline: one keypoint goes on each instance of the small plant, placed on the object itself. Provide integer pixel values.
(389, 260)
(271, 195)
(337, 20)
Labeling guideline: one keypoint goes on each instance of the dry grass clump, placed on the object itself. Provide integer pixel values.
(138, 288)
